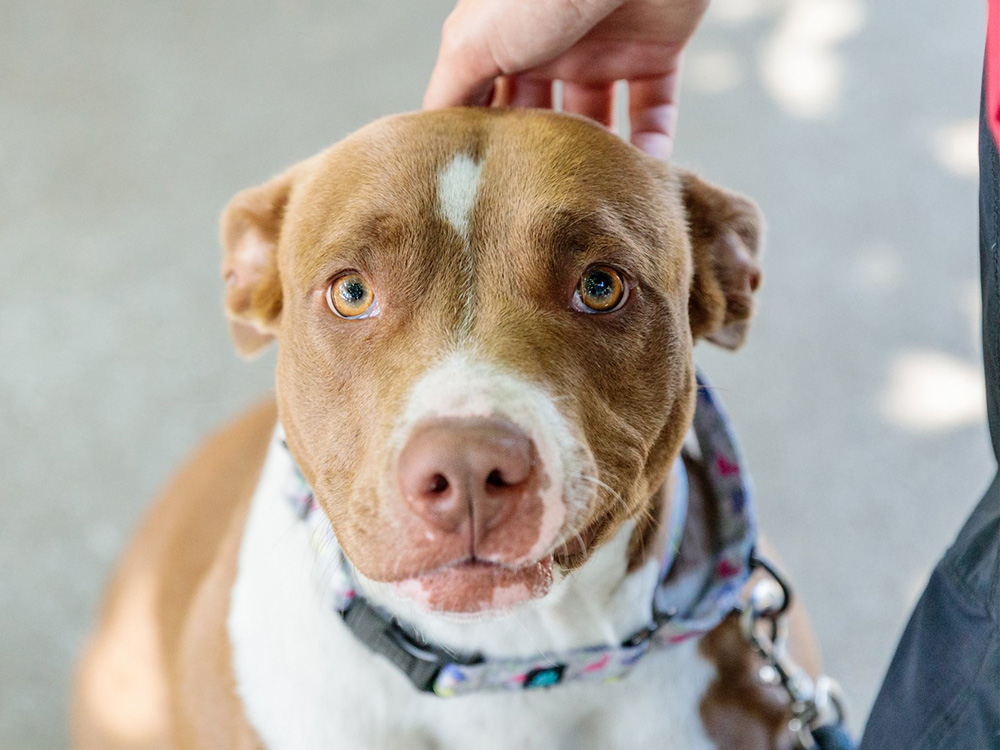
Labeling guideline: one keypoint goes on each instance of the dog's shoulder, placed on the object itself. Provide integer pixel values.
(181, 561)
(198, 509)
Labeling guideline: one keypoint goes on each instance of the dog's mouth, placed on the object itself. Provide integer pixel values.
(477, 586)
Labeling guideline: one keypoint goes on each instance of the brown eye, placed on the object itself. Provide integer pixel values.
(601, 289)
(350, 296)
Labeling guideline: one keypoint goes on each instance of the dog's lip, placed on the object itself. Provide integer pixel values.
(473, 564)
(472, 585)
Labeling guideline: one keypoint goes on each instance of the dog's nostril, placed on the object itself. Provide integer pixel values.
(466, 475)
(438, 484)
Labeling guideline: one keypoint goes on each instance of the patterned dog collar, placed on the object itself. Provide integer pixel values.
(684, 605)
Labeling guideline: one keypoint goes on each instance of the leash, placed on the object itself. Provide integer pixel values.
(818, 714)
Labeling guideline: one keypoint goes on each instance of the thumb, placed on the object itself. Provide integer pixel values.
(483, 39)
(463, 73)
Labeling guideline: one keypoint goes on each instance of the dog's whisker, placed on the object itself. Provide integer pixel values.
(534, 643)
(607, 488)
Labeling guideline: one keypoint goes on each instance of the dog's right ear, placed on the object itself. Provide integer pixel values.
(250, 229)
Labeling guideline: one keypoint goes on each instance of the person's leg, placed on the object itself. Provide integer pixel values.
(942, 689)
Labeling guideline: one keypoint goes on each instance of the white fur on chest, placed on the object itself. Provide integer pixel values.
(307, 684)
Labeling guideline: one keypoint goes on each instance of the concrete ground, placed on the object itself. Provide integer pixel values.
(127, 126)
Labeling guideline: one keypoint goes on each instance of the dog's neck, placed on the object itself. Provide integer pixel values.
(600, 608)
(600, 603)
(303, 677)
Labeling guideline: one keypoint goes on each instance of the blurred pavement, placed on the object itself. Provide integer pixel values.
(127, 126)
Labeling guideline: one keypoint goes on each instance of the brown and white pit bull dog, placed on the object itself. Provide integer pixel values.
(485, 323)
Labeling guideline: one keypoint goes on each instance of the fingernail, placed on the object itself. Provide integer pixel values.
(658, 145)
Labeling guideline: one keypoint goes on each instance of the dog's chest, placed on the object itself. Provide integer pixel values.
(307, 684)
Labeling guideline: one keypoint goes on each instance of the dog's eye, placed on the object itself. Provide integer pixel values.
(601, 289)
(350, 296)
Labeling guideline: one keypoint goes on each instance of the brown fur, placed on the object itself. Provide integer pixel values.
(740, 713)
(557, 195)
(358, 206)
(156, 673)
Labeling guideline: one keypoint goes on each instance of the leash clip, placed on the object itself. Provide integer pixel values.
(818, 714)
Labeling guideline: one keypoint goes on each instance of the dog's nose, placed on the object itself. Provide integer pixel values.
(466, 475)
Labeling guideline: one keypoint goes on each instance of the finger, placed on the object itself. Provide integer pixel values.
(503, 90)
(653, 113)
(463, 74)
(445, 90)
(530, 92)
(590, 100)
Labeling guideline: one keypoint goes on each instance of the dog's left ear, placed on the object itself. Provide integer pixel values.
(726, 231)
(249, 232)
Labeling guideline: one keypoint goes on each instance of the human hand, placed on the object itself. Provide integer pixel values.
(509, 52)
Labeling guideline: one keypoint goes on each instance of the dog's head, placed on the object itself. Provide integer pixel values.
(485, 322)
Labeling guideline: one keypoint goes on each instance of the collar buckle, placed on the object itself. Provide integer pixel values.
(419, 661)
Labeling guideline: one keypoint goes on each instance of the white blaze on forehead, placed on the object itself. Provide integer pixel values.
(458, 184)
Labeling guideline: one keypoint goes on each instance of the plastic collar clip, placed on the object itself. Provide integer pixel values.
(419, 661)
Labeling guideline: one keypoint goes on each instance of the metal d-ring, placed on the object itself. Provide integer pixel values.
(756, 561)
